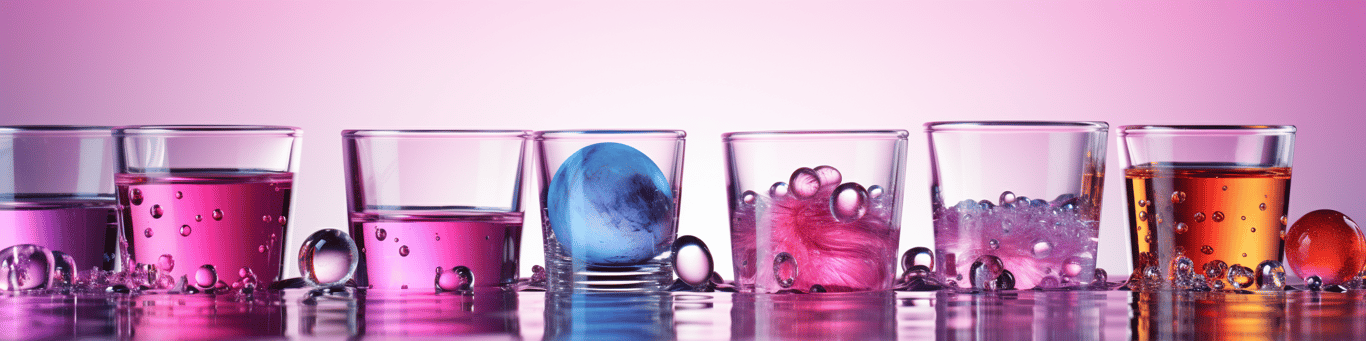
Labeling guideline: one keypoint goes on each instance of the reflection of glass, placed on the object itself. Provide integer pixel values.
(815, 208)
(609, 207)
(1185, 315)
(423, 200)
(598, 316)
(1028, 193)
(1047, 315)
(196, 196)
(57, 191)
(199, 317)
(1209, 193)
(488, 312)
(847, 316)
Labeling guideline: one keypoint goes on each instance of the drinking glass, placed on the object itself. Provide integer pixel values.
(609, 203)
(1016, 197)
(57, 191)
(207, 202)
(813, 210)
(1216, 195)
(428, 204)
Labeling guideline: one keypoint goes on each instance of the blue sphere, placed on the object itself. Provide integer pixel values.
(609, 204)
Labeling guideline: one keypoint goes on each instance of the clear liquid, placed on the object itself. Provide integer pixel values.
(228, 220)
(402, 249)
(85, 229)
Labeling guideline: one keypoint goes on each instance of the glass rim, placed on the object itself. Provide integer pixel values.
(1016, 126)
(56, 130)
(434, 133)
(1207, 130)
(617, 134)
(777, 135)
(206, 130)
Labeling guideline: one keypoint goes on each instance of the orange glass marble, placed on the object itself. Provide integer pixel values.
(1325, 243)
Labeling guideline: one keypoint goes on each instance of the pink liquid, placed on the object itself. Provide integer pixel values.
(228, 220)
(403, 248)
(84, 229)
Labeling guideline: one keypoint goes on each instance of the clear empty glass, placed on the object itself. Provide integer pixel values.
(211, 203)
(1017, 197)
(815, 208)
(610, 207)
(57, 191)
(1217, 195)
(428, 207)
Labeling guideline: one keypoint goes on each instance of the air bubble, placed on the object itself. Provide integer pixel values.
(817, 288)
(1042, 249)
(438, 237)
(185, 230)
(1182, 228)
(1262, 206)
(380, 234)
(993, 244)
(1100, 276)
(829, 176)
(166, 263)
(1218, 216)
(1240, 276)
(265, 218)
(1215, 269)
(804, 182)
(1142, 215)
(283, 221)
(1244, 254)
(1225, 188)
(1314, 283)
(1270, 276)
(984, 272)
(206, 277)
(749, 197)
(692, 260)
(328, 258)
(1178, 197)
(261, 248)
(875, 192)
(179, 195)
(147, 232)
(849, 202)
(1283, 220)
(25, 267)
(217, 214)
(1073, 266)
(1182, 269)
(1254, 230)
(779, 189)
(1206, 249)
(785, 269)
(135, 197)
(198, 218)
(1006, 281)
(458, 279)
(1199, 217)
(1243, 217)
(403, 250)
(1142, 203)
(156, 211)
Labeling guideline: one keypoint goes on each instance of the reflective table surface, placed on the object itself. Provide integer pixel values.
(1027, 314)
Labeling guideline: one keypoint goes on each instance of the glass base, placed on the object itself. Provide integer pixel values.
(565, 274)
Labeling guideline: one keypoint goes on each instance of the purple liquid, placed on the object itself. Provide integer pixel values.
(402, 249)
(228, 220)
(84, 229)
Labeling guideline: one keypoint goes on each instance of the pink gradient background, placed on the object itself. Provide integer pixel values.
(703, 66)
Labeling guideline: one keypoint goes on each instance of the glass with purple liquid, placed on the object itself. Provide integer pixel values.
(209, 203)
(57, 191)
(1016, 204)
(430, 209)
(814, 211)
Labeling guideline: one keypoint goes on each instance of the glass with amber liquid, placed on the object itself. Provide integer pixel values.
(1217, 195)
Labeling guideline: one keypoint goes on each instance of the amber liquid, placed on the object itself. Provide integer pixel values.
(1206, 212)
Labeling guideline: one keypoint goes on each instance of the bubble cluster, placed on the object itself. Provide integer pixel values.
(1034, 238)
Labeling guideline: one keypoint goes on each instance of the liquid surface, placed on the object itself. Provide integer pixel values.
(1205, 213)
(404, 250)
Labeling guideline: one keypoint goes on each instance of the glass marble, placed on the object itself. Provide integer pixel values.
(1325, 243)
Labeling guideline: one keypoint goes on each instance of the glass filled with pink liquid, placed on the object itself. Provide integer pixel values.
(57, 191)
(206, 200)
(814, 211)
(424, 203)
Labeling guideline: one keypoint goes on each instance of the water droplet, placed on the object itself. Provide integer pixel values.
(993, 244)
(919, 255)
(1218, 216)
(1209, 250)
(1199, 217)
(1006, 281)
(198, 218)
(779, 189)
(147, 232)
(1182, 228)
(875, 192)
(156, 211)
(984, 272)
(403, 250)
(1270, 276)
(185, 230)
(1178, 197)
(380, 234)
(217, 214)
(785, 269)
(804, 182)
(1073, 266)
(459, 279)
(817, 288)
(1182, 268)
(1225, 188)
(829, 176)
(1240, 276)
(749, 197)
(283, 221)
(25, 267)
(692, 260)
(1042, 249)
(1142, 203)
(1262, 206)
(1314, 283)
(1215, 269)
(328, 257)
(206, 277)
(265, 218)
(1142, 215)
(166, 263)
(1100, 276)
(849, 202)
(1282, 220)
(179, 195)
(1049, 282)
(1006, 198)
